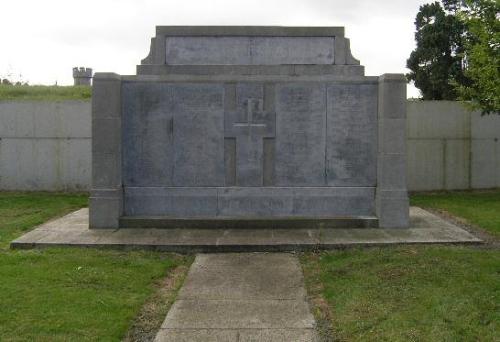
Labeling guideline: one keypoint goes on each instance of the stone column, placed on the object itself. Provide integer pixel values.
(106, 194)
(392, 197)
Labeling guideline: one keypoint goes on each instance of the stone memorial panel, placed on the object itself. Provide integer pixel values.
(248, 123)
(249, 50)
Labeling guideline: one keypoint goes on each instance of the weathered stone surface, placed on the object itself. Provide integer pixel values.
(301, 133)
(170, 201)
(351, 152)
(250, 122)
(249, 50)
(250, 202)
(424, 228)
(244, 276)
(173, 135)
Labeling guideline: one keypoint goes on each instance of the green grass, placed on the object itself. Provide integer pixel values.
(68, 294)
(45, 93)
(407, 293)
(478, 208)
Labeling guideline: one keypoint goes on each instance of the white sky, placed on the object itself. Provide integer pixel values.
(44, 40)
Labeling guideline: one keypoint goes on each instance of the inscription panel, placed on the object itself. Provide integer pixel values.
(300, 134)
(173, 134)
(198, 113)
(352, 135)
(148, 147)
(248, 50)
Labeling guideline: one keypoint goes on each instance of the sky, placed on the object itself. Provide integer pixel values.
(41, 41)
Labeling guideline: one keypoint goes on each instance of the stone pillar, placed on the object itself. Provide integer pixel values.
(392, 197)
(107, 191)
(82, 76)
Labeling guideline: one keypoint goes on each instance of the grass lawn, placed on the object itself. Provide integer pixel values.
(69, 294)
(46, 93)
(478, 208)
(406, 293)
(413, 293)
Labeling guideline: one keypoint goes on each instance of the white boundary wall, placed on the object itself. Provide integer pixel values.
(450, 147)
(47, 146)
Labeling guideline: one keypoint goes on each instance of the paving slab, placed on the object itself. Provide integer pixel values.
(232, 335)
(259, 277)
(72, 230)
(241, 297)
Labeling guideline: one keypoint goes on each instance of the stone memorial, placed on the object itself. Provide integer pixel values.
(229, 127)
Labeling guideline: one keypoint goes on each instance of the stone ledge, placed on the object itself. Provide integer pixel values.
(72, 231)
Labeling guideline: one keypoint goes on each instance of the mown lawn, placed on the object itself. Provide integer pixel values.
(406, 293)
(46, 93)
(69, 294)
(480, 208)
(413, 293)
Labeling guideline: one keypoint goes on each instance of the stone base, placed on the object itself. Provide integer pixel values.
(248, 223)
(73, 231)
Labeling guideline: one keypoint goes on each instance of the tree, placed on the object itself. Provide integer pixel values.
(437, 62)
(482, 55)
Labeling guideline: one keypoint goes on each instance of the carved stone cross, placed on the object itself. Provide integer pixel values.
(249, 133)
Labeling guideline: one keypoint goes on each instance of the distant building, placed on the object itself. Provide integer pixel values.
(82, 76)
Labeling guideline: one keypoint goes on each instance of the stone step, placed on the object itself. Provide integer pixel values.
(248, 223)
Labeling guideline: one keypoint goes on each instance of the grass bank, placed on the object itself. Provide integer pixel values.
(70, 294)
(413, 293)
(406, 293)
(45, 93)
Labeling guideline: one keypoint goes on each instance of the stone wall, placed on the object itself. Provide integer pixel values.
(46, 146)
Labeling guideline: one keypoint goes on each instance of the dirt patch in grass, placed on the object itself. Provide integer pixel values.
(152, 314)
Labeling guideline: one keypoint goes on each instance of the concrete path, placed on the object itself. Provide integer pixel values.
(241, 298)
(72, 231)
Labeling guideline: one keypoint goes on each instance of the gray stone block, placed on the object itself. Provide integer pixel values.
(106, 170)
(300, 134)
(174, 134)
(264, 31)
(255, 202)
(106, 135)
(392, 136)
(173, 201)
(393, 209)
(351, 149)
(392, 171)
(249, 70)
(106, 99)
(334, 202)
(241, 50)
(392, 96)
(105, 210)
(198, 127)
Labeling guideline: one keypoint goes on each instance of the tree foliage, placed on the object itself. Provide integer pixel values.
(437, 61)
(482, 54)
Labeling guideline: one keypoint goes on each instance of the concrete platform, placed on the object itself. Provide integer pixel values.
(72, 231)
(241, 297)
